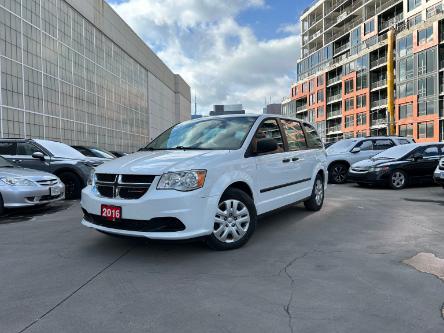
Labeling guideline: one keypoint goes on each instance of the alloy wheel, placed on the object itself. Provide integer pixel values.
(339, 173)
(319, 191)
(231, 221)
(398, 179)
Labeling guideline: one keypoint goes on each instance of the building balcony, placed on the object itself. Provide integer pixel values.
(379, 103)
(378, 62)
(334, 129)
(333, 80)
(379, 84)
(342, 48)
(334, 98)
(301, 108)
(378, 122)
(391, 22)
(334, 114)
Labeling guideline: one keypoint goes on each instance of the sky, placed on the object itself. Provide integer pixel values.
(229, 51)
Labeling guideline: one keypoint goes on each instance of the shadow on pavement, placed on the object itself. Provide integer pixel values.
(25, 214)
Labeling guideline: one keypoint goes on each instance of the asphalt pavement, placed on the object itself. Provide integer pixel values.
(338, 270)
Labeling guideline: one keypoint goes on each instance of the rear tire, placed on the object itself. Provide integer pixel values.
(73, 185)
(235, 221)
(338, 173)
(316, 200)
(398, 180)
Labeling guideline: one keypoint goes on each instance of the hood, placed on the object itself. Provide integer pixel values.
(159, 162)
(26, 173)
(367, 164)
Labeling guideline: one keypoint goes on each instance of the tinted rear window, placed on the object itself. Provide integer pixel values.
(8, 148)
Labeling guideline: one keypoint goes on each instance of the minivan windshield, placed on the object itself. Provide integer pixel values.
(205, 134)
(395, 153)
(341, 146)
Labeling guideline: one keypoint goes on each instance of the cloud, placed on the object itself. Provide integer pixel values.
(224, 62)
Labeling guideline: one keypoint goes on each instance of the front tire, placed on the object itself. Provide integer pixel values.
(316, 200)
(338, 173)
(73, 185)
(398, 180)
(234, 222)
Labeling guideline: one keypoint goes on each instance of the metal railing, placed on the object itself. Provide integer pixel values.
(378, 103)
(333, 80)
(393, 21)
(334, 98)
(379, 121)
(334, 114)
(342, 48)
(301, 108)
(335, 128)
(379, 83)
(378, 62)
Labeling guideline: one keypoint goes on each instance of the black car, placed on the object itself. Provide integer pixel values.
(399, 166)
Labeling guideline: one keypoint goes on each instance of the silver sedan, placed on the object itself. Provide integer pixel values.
(21, 187)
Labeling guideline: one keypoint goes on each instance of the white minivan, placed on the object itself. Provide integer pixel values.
(210, 178)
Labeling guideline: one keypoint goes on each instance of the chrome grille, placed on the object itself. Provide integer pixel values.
(441, 164)
(129, 187)
(47, 182)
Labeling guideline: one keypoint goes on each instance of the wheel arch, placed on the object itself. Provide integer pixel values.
(339, 162)
(61, 170)
(240, 185)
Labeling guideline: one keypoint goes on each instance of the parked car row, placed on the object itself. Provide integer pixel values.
(385, 161)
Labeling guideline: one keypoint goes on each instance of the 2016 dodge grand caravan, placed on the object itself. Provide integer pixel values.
(209, 178)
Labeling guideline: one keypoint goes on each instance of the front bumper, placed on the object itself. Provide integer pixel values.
(372, 178)
(28, 196)
(194, 211)
(438, 177)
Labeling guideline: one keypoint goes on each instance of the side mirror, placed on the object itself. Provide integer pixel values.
(417, 157)
(356, 150)
(38, 155)
(266, 146)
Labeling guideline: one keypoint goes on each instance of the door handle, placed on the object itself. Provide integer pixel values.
(17, 161)
(286, 160)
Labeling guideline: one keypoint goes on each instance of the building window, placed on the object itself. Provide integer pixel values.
(412, 4)
(425, 35)
(349, 121)
(426, 108)
(406, 130)
(361, 119)
(348, 86)
(405, 111)
(426, 130)
(312, 83)
(369, 26)
(320, 80)
(361, 80)
(361, 101)
(405, 89)
(320, 96)
(349, 104)
(361, 134)
(320, 111)
(405, 45)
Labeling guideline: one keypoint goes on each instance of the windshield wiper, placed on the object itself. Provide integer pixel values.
(148, 149)
(7, 166)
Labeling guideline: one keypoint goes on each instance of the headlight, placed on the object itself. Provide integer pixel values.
(92, 178)
(379, 169)
(16, 181)
(182, 180)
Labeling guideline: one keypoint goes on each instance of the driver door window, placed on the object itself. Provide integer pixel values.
(269, 129)
(26, 149)
(365, 145)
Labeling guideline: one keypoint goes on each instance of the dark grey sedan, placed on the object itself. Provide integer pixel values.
(20, 187)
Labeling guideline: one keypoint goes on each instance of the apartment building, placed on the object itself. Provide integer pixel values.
(371, 67)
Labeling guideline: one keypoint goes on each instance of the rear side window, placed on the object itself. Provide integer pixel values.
(403, 141)
(24, 148)
(295, 135)
(431, 152)
(8, 148)
(383, 144)
(313, 139)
